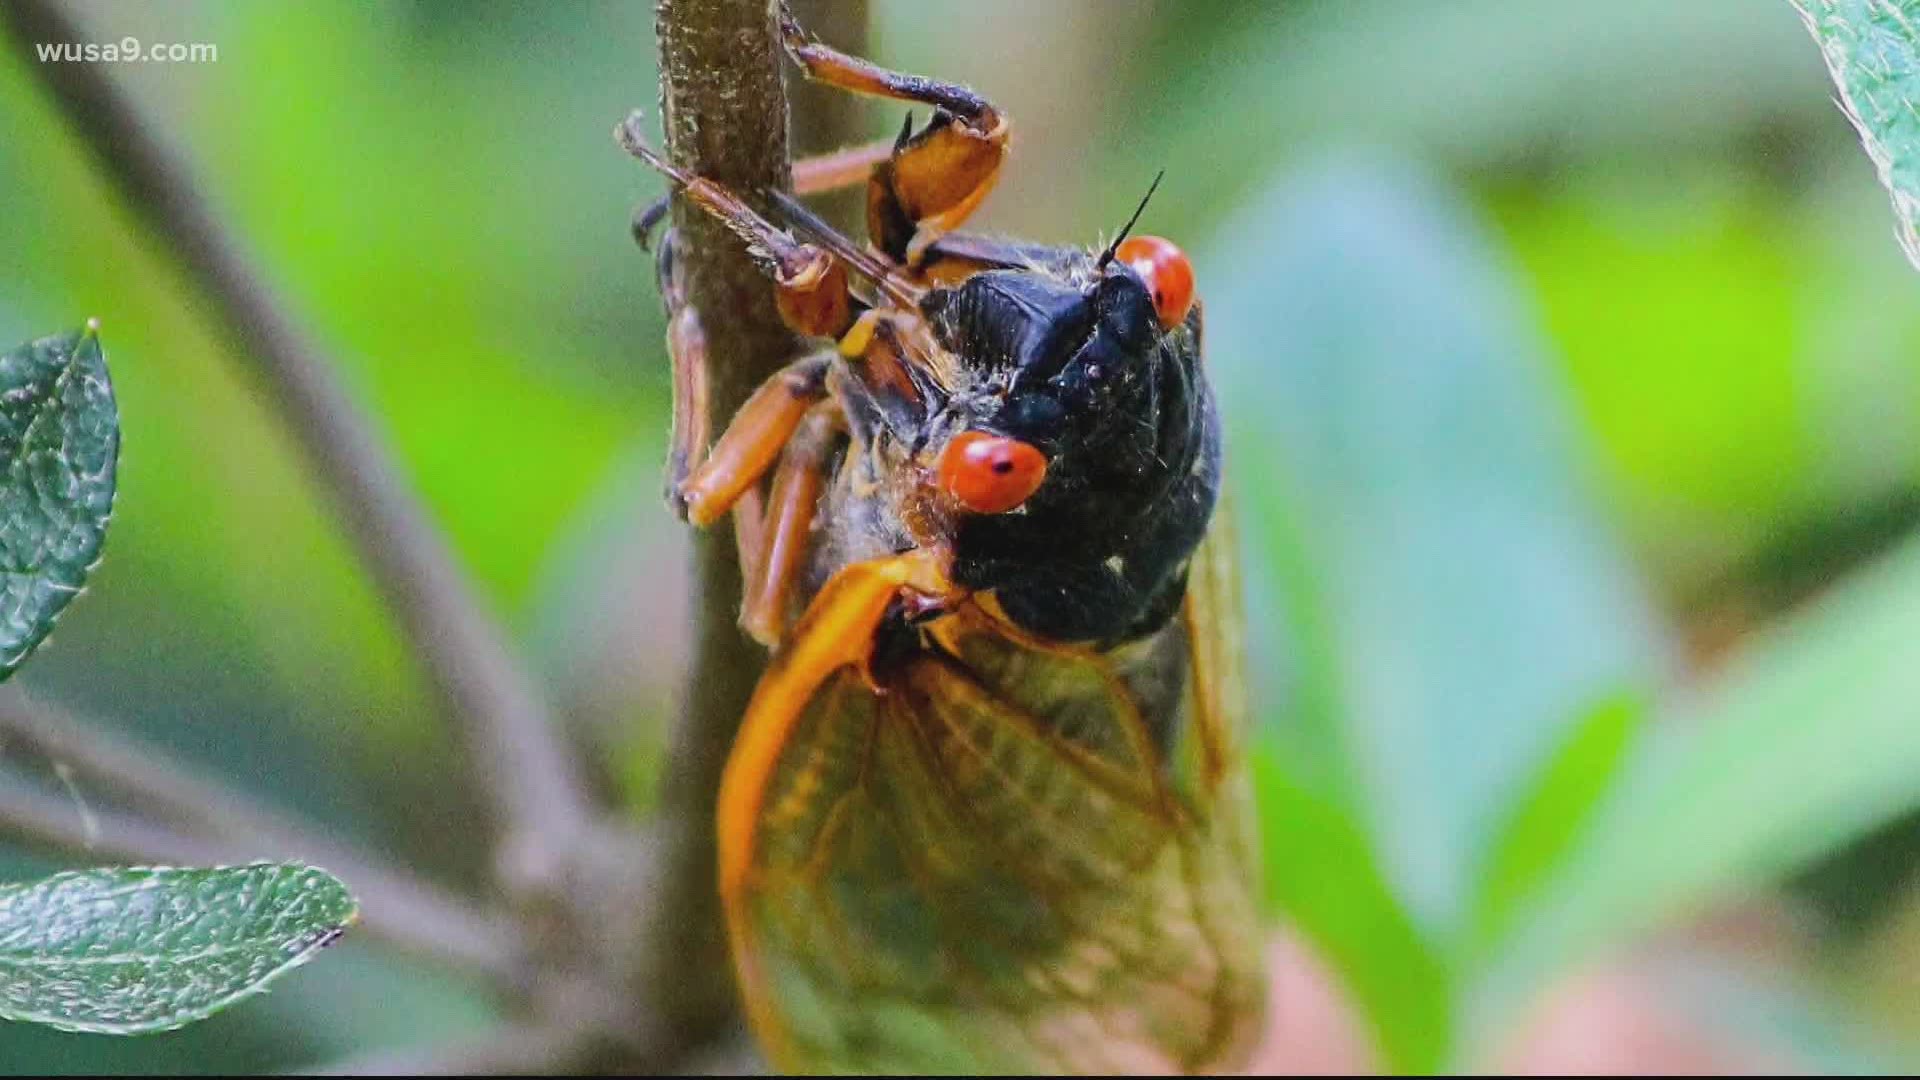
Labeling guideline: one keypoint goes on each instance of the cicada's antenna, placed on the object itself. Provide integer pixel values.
(1107, 255)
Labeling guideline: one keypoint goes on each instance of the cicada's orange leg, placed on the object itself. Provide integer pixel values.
(815, 175)
(687, 350)
(839, 169)
(749, 531)
(704, 484)
(686, 343)
(754, 440)
(788, 522)
(687, 347)
(810, 285)
(934, 179)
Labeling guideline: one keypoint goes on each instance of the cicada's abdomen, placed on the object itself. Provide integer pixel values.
(1013, 860)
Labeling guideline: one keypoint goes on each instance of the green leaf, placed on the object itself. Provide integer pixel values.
(1322, 873)
(1432, 598)
(1548, 820)
(59, 444)
(125, 952)
(1448, 596)
(1872, 47)
(1471, 85)
(1713, 450)
(1809, 740)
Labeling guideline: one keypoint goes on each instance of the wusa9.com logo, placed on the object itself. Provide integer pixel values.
(127, 50)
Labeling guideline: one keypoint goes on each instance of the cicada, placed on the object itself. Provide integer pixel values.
(986, 811)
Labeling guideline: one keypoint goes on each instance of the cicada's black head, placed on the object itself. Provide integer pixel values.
(1078, 441)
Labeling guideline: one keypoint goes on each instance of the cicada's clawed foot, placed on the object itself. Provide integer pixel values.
(934, 179)
(811, 284)
(824, 63)
(647, 218)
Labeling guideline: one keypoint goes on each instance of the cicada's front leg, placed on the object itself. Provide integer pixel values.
(934, 178)
(816, 175)
(703, 485)
(754, 440)
(813, 297)
(787, 526)
(687, 351)
(810, 285)
(788, 419)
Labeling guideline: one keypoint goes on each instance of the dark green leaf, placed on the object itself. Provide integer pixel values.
(128, 951)
(59, 443)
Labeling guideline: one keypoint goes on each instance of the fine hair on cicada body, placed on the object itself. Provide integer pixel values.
(1049, 408)
(988, 791)
(1072, 358)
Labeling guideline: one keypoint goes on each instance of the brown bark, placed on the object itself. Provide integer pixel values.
(724, 109)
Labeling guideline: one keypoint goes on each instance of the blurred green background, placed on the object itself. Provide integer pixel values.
(1566, 348)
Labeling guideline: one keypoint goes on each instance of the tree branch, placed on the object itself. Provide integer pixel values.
(224, 824)
(724, 110)
(49, 823)
(397, 911)
(142, 773)
(518, 760)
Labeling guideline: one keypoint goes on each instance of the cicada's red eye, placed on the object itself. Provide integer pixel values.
(990, 474)
(1168, 274)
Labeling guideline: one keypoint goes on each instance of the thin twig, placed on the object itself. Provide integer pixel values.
(141, 772)
(518, 758)
(414, 921)
(51, 823)
(511, 1051)
(224, 825)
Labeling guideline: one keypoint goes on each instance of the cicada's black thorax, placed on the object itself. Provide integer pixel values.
(1069, 357)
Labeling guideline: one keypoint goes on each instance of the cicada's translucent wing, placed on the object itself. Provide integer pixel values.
(1219, 721)
(1014, 859)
